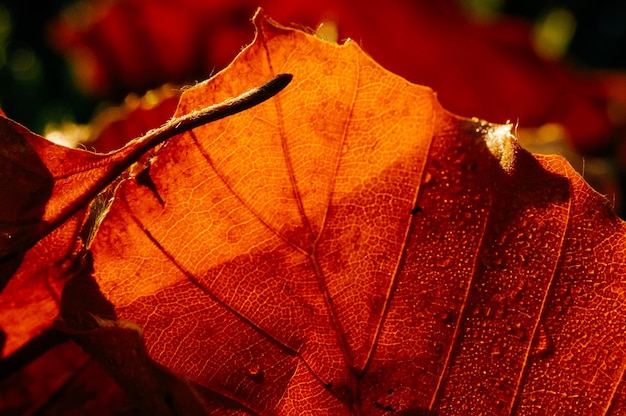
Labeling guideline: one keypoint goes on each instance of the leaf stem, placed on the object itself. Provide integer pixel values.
(131, 153)
(216, 112)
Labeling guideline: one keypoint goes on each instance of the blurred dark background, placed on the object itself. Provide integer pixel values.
(37, 85)
(599, 39)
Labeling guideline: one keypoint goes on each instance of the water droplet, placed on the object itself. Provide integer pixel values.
(437, 347)
(501, 384)
(446, 318)
(497, 351)
(498, 261)
(445, 262)
(516, 331)
(255, 372)
(562, 291)
(500, 311)
(543, 345)
(611, 269)
(496, 309)
(234, 235)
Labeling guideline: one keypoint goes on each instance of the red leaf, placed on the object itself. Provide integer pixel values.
(64, 380)
(40, 217)
(349, 247)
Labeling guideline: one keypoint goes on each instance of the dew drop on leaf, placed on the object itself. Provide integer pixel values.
(497, 351)
(543, 345)
(445, 263)
(255, 372)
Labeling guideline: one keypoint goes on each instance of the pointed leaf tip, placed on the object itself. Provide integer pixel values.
(500, 141)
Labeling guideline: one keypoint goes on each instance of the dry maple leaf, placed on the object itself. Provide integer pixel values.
(349, 247)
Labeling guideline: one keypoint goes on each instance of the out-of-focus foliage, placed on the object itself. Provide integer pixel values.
(36, 85)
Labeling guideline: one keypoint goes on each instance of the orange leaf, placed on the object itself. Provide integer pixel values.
(349, 247)
(45, 192)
